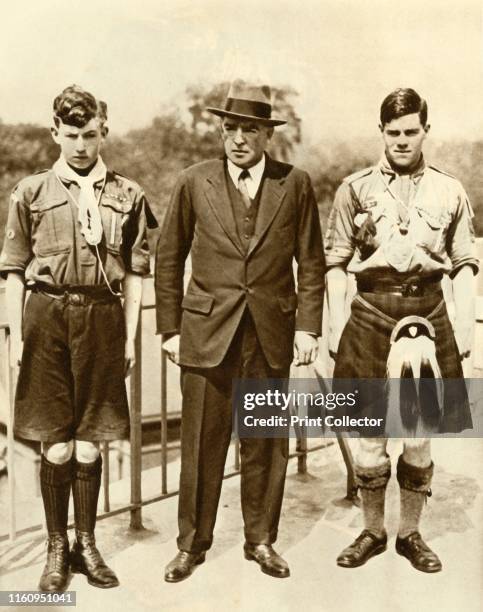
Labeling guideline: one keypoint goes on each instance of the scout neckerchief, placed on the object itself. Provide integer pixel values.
(87, 203)
(406, 187)
(88, 215)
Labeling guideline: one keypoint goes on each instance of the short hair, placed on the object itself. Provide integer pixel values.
(76, 106)
(403, 101)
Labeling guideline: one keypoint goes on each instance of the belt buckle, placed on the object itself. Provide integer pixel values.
(75, 299)
(411, 290)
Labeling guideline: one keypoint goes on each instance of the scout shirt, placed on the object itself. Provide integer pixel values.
(382, 221)
(43, 241)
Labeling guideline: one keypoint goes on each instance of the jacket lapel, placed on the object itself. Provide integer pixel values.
(271, 199)
(219, 200)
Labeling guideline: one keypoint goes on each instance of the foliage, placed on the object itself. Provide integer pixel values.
(154, 155)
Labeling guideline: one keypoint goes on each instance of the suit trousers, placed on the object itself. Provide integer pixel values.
(205, 438)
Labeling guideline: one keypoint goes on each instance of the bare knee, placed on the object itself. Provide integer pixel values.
(58, 453)
(86, 452)
(371, 452)
(417, 452)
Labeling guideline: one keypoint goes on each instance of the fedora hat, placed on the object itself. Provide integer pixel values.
(247, 101)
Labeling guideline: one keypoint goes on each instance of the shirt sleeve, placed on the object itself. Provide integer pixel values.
(135, 243)
(460, 240)
(339, 238)
(17, 247)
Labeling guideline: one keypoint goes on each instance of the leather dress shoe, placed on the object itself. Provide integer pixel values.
(362, 549)
(56, 571)
(269, 561)
(183, 565)
(414, 548)
(86, 559)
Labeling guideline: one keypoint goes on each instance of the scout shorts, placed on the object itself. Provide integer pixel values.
(71, 380)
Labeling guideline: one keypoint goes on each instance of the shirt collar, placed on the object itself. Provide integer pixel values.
(387, 169)
(256, 172)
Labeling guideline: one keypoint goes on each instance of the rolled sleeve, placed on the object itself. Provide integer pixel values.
(136, 247)
(460, 242)
(339, 238)
(17, 250)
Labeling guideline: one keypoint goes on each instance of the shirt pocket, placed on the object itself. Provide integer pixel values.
(115, 211)
(431, 223)
(52, 226)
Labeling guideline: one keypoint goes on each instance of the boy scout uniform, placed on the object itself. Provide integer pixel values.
(71, 380)
(399, 234)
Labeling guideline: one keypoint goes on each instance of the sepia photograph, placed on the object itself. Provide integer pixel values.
(241, 305)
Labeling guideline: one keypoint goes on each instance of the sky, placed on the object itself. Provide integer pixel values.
(342, 56)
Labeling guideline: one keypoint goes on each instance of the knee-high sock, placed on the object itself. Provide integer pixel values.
(372, 482)
(55, 480)
(414, 483)
(85, 487)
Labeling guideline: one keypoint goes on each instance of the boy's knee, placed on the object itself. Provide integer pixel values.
(58, 453)
(86, 452)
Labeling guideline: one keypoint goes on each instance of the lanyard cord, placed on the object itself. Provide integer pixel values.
(98, 257)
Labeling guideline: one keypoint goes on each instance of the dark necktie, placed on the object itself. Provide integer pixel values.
(242, 188)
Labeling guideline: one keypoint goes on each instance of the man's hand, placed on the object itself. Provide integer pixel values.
(305, 348)
(464, 333)
(129, 356)
(16, 350)
(171, 346)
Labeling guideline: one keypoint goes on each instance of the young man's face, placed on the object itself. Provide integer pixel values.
(244, 140)
(80, 147)
(403, 140)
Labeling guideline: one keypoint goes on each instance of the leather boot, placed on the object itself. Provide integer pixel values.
(55, 576)
(86, 559)
(55, 481)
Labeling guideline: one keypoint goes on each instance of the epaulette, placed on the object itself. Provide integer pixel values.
(352, 178)
(41, 171)
(441, 171)
(128, 182)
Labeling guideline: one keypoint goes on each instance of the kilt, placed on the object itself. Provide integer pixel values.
(364, 349)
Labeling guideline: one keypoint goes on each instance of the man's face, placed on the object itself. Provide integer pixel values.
(403, 140)
(244, 140)
(80, 146)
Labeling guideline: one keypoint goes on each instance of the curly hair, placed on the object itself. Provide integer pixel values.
(403, 101)
(76, 106)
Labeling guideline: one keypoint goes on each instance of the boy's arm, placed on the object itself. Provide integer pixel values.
(464, 294)
(133, 291)
(15, 297)
(336, 298)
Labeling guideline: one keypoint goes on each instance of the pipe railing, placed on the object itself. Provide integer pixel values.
(136, 452)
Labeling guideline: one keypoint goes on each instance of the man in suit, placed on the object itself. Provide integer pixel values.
(243, 219)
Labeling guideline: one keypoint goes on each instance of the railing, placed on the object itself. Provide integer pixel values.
(136, 498)
(135, 399)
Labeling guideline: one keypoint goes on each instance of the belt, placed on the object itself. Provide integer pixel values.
(77, 295)
(408, 288)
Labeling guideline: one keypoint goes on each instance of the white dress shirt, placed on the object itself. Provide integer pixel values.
(253, 181)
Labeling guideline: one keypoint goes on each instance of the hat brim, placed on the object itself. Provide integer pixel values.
(223, 113)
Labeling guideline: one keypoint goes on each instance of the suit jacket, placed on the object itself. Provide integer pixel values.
(225, 279)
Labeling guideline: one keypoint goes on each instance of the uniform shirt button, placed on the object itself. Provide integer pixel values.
(247, 235)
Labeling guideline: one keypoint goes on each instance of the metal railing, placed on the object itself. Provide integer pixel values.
(134, 507)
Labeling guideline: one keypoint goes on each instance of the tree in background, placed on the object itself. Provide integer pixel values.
(176, 138)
